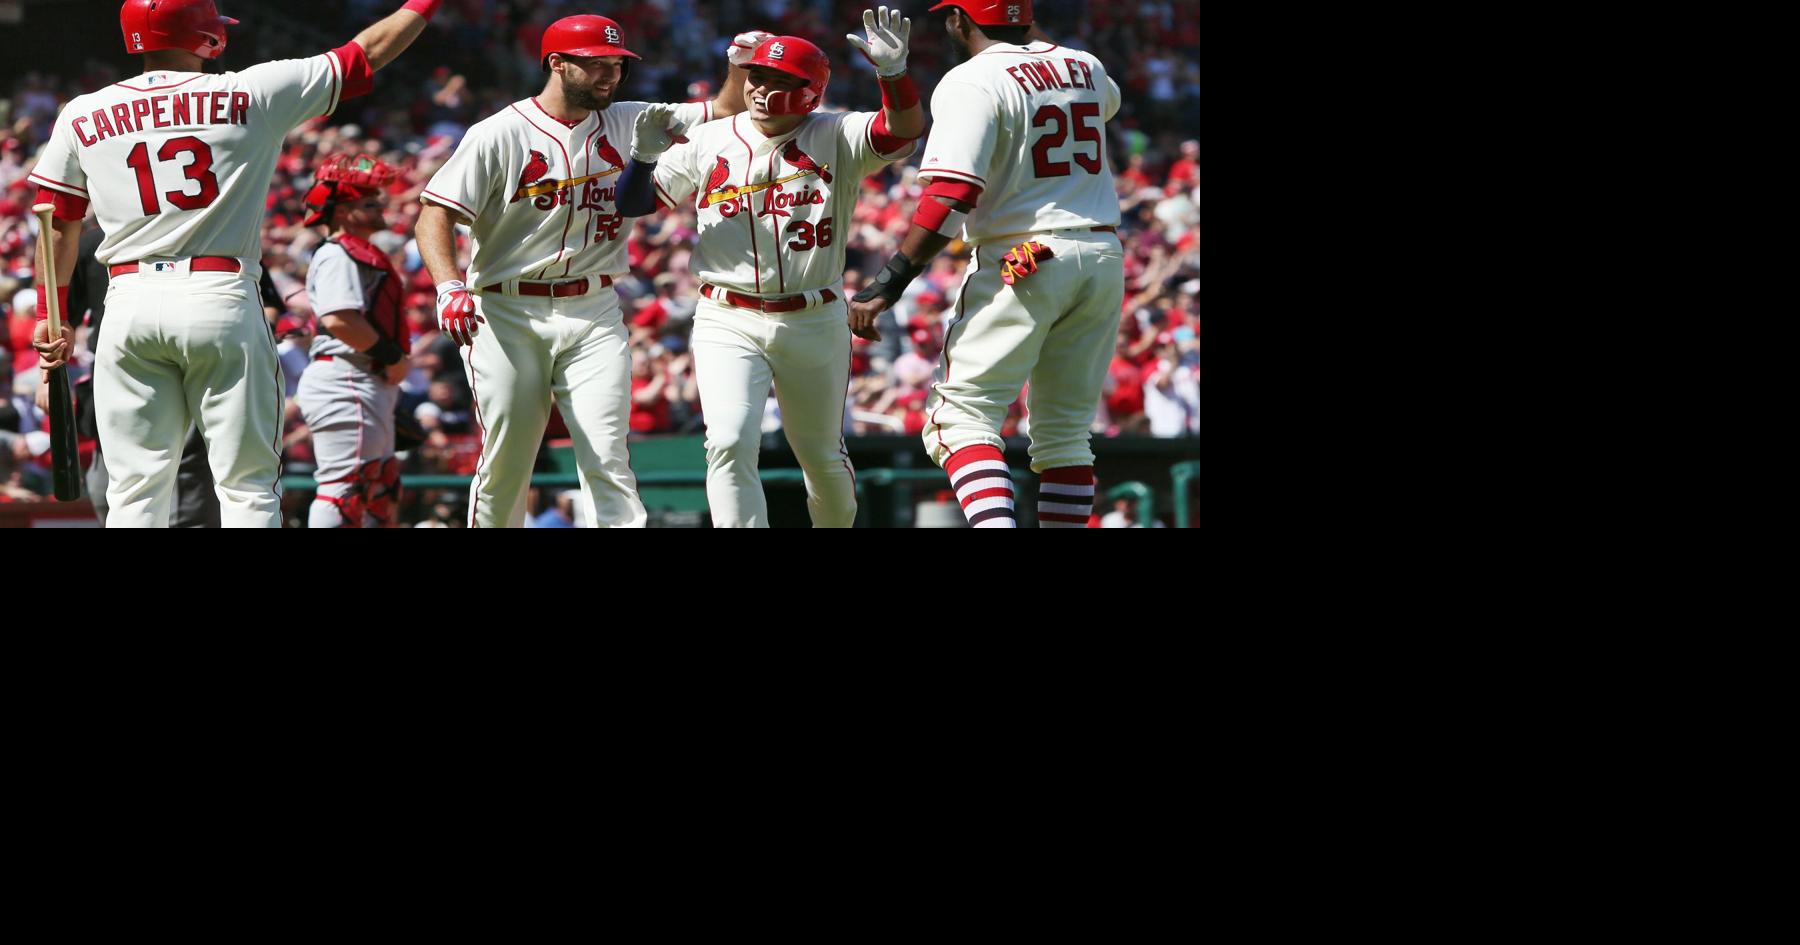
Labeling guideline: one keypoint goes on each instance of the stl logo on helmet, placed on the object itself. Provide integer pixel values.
(613, 38)
(777, 51)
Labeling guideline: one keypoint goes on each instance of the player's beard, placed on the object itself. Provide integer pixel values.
(589, 97)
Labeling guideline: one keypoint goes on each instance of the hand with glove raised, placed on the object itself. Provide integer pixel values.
(743, 45)
(656, 131)
(886, 44)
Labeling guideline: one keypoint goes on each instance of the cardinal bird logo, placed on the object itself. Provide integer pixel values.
(721, 173)
(608, 153)
(535, 170)
(802, 161)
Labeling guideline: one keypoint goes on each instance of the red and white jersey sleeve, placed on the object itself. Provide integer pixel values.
(542, 194)
(177, 164)
(774, 213)
(1027, 125)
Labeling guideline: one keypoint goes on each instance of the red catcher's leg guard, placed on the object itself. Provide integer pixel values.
(350, 508)
(381, 480)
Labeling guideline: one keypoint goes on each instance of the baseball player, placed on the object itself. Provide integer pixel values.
(349, 392)
(176, 163)
(775, 189)
(536, 184)
(1017, 164)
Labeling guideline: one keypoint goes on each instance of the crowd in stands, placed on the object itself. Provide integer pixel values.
(486, 57)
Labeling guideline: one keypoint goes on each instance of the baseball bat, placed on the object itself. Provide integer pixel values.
(65, 458)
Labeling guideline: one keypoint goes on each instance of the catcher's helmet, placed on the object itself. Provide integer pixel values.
(189, 25)
(344, 177)
(796, 57)
(584, 35)
(993, 12)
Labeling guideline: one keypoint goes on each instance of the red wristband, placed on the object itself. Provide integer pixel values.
(899, 93)
(930, 214)
(424, 8)
(62, 304)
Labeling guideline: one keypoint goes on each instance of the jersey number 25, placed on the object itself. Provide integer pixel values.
(1083, 112)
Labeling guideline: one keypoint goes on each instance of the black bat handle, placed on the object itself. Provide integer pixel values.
(65, 457)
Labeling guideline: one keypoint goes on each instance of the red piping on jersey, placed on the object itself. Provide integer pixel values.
(1020, 52)
(844, 402)
(159, 88)
(876, 139)
(962, 299)
(480, 461)
(280, 409)
(570, 221)
(53, 182)
(587, 167)
(750, 215)
(663, 195)
(780, 270)
(566, 124)
(972, 178)
(458, 206)
(336, 68)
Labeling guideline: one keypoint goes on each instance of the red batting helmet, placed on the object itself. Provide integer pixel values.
(188, 25)
(993, 12)
(796, 57)
(344, 177)
(584, 35)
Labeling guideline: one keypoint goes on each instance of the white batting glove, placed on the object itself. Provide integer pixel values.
(656, 131)
(744, 44)
(886, 45)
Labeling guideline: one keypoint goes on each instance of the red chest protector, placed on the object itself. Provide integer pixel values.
(387, 307)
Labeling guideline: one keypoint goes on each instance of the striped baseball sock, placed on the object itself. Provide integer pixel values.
(1066, 497)
(983, 486)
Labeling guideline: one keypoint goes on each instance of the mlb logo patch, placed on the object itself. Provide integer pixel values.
(777, 51)
(162, 267)
(613, 38)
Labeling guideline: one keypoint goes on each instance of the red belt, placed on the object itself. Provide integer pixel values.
(324, 357)
(196, 264)
(1106, 229)
(786, 303)
(556, 290)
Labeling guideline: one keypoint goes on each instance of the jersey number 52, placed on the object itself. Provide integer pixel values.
(198, 170)
(1077, 117)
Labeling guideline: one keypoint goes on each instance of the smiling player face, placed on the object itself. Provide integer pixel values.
(591, 82)
(760, 82)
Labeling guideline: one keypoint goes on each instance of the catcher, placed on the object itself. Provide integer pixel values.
(349, 392)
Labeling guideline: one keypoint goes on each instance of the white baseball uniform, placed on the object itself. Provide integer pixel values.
(534, 346)
(177, 168)
(347, 404)
(1026, 124)
(774, 214)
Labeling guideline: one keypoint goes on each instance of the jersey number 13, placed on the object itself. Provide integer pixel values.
(198, 170)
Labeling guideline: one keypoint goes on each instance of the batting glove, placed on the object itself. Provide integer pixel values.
(886, 45)
(655, 133)
(744, 44)
(456, 312)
